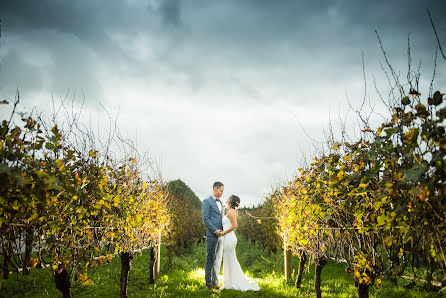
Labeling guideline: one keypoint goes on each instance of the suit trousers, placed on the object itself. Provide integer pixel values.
(214, 246)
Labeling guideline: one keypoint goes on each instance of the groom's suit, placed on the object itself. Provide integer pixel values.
(212, 218)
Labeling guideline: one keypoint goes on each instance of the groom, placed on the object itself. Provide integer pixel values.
(212, 214)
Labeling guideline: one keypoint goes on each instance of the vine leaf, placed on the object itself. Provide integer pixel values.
(414, 173)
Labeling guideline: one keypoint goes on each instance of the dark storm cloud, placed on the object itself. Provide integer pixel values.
(234, 23)
(18, 74)
(237, 34)
(85, 19)
(170, 11)
(267, 22)
(73, 33)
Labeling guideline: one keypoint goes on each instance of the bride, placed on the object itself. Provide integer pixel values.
(233, 277)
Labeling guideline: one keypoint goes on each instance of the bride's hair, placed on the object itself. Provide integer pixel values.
(234, 201)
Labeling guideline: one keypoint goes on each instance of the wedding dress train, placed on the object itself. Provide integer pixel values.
(233, 277)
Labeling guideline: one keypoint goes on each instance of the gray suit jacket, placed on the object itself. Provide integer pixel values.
(211, 216)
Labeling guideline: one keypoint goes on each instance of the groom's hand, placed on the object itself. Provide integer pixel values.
(219, 233)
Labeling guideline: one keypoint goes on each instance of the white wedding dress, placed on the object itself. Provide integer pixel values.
(233, 277)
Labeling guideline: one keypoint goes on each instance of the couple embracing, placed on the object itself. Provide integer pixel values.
(221, 242)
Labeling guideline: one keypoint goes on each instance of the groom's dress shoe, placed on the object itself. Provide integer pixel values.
(217, 286)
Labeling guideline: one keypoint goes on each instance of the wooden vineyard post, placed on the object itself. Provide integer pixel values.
(154, 263)
(287, 265)
(287, 259)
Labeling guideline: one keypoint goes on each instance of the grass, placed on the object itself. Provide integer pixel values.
(187, 279)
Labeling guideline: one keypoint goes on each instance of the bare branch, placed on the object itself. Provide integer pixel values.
(431, 87)
(436, 34)
(395, 76)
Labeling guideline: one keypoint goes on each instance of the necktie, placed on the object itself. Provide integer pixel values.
(221, 207)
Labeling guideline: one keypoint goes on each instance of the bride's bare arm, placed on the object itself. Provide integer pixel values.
(232, 215)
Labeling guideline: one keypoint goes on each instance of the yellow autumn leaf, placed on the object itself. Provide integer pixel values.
(32, 262)
(378, 132)
(84, 279)
(378, 282)
(363, 185)
(34, 215)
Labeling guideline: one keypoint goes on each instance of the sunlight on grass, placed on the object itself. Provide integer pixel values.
(196, 274)
(248, 274)
(187, 279)
(190, 288)
(164, 278)
(272, 280)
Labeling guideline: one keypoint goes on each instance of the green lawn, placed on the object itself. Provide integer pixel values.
(187, 279)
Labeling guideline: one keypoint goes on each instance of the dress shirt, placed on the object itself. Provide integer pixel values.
(218, 204)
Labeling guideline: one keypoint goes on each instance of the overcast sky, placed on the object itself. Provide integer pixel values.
(215, 90)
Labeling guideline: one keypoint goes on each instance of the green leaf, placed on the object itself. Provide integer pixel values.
(389, 132)
(438, 98)
(4, 168)
(389, 240)
(414, 173)
(405, 100)
(381, 220)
